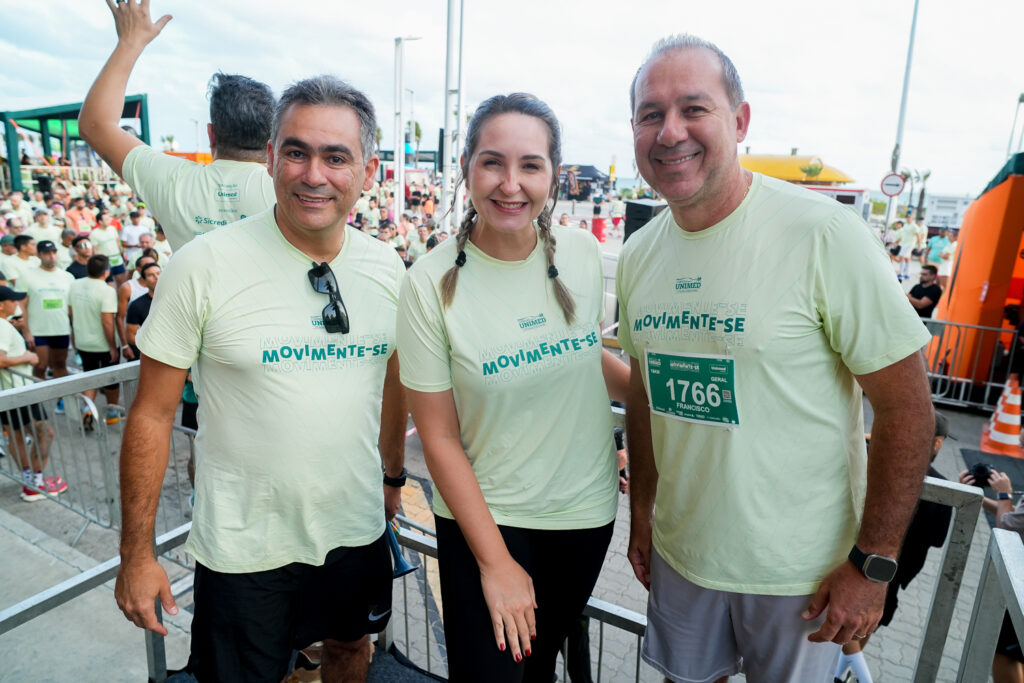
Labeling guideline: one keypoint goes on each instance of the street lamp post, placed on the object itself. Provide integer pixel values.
(452, 113)
(399, 127)
(903, 111)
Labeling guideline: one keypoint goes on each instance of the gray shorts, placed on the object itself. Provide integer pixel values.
(697, 635)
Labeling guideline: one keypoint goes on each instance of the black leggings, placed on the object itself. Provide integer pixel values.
(564, 566)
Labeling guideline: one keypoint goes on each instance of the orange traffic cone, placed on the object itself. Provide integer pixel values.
(1002, 434)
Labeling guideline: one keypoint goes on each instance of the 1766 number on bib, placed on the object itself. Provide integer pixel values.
(695, 387)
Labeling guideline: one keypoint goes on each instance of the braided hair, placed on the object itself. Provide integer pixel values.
(528, 105)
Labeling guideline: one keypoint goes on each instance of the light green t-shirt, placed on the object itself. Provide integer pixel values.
(64, 258)
(10, 266)
(165, 249)
(89, 298)
(287, 464)
(907, 237)
(48, 301)
(533, 409)
(778, 306)
(107, 241)
(416, 248)
(51, 232)
(13, 344)
(18, 267)
(921, 230)
(189, 198)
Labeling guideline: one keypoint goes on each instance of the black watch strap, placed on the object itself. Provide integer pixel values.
(398, 482)
(877, 568)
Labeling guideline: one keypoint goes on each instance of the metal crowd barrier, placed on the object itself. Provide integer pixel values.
(966, 504)
(88, 460)
(956, 361)
(1001, 588)
(1003, 580)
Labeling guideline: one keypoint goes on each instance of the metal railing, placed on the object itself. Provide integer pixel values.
(78, 174)
(966, 504)
(1001, 588)
(1005, 569)
(88, 459)
(969, 364)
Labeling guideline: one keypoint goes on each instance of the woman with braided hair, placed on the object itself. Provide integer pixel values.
(500, 347)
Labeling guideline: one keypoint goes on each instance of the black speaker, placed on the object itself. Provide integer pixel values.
(639, 212)
(44, 183)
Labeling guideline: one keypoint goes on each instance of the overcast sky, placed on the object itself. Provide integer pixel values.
(821, 76)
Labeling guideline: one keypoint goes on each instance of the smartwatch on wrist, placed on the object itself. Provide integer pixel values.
(397, 482)
(877, 568)
(1003, 495)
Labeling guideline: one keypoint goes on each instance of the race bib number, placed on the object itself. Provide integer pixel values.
(694, 387)
(52, 304)
(116, 260)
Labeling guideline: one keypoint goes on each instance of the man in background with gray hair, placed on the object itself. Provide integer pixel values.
(302, 402)
(187, 198)
(758, 522)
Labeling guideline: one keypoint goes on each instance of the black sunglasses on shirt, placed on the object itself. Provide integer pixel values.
(335, 315)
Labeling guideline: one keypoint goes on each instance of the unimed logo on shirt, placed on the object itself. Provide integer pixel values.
(687, 284)
(531, 321)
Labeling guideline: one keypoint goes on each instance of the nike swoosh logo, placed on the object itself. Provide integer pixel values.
(374, 618)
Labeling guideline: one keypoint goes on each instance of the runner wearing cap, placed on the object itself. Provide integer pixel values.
(42, 228)
(47, 326)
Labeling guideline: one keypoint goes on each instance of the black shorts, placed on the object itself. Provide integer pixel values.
(564, 566)
(15, 419)
(1008, 644)
(58, 342)
(117, 270)
(96, 360)
(246, 625)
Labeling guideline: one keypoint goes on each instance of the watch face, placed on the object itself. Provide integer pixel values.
(880, 569)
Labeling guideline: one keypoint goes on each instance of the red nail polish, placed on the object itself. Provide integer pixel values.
(527, 653)
(533, 637)
(501, 646)
(519, 658)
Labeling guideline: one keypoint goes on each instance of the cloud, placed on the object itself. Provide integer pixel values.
(823, 77)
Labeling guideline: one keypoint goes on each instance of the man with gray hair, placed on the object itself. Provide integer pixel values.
(302, 405)
(764, 532)
(187, 198)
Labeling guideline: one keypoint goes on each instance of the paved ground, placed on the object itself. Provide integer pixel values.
(98, 645)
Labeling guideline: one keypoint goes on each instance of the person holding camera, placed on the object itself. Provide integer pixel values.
(1008, 663)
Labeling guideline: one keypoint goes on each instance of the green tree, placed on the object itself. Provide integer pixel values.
(812, 170)
(922, 178)
(908, 177)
